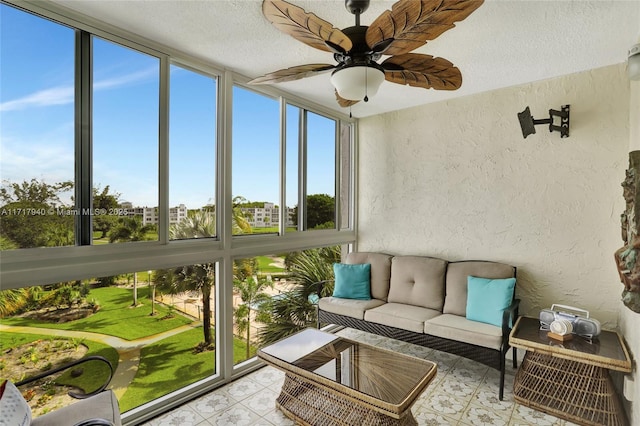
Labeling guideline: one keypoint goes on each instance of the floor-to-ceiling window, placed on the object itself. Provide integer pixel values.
(192, 153)
(37, 107)
(320, 188)
(124, 214)
(256, 165)
(124, 141)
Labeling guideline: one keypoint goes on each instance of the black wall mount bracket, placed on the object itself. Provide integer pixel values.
(528, 123)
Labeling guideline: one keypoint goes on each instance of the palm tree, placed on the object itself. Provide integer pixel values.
(240, 223)
(294, 310)
(16, 301)
(251, 291)
(199, 277)
(130, 228)
(60, 236)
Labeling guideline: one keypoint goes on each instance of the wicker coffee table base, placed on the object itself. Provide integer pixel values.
(574, 391)
(309, 404)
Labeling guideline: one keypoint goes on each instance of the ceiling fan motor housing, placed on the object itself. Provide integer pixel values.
(356, 6)
(360, 53)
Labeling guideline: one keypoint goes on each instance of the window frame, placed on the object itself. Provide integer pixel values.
(36, 266)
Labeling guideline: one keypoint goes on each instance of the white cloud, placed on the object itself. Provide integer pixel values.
(54, 96)
(125, 79)
(64, 95)
(49, 158)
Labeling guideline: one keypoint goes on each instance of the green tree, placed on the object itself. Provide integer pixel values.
(130, 228)
(29, 217)
(251, 291)
(107, 202)
(321, 212)
(35, 190)
(7, 244)
(62, 235)
(295, 310)
(33, 224)
(254, 204)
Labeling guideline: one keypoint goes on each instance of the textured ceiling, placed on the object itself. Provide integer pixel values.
(503, 43)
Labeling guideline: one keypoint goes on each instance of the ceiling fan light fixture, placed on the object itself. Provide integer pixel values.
(357, 82)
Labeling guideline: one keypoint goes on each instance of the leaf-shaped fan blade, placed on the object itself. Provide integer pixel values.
(305, 27)
(425, 71)
(344, 103)
(293, 73)
(411, 23)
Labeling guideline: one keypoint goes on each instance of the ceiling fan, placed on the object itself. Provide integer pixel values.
(357, 75)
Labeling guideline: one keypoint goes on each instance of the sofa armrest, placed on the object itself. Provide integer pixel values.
(509, 317)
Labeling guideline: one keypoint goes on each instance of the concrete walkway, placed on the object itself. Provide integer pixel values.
(128, 350)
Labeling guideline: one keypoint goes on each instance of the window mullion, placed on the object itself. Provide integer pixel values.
(83, 138)
(302, 171)
(282, 213)
(163, 154)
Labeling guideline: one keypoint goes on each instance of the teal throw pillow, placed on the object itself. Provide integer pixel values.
(488, 298)
(352, 281)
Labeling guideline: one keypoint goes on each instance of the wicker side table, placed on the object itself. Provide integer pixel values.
(570, 380)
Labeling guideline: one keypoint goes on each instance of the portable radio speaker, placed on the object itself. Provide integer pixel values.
(579, 319)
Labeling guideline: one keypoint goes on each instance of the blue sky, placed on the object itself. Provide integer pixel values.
(37, 122)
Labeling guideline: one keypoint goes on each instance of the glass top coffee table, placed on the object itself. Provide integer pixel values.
(331, 380)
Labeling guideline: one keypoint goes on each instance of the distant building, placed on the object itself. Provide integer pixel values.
(258, 217)
(266, 216)
(150, 214)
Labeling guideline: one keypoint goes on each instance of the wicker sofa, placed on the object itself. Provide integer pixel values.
(422, 300)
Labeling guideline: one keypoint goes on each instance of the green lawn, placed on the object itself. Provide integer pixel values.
(171, 364)
(265, 266)
(116, 317)
(151, 236)
(165, 366)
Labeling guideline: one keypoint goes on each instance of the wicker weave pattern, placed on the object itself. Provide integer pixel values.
(575, 391)
(309, 404)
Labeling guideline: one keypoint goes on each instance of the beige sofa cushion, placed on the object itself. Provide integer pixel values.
(457, 273)
(418, 281)
(458, 328)
(406, 317)
(349, 307)
(380, 271)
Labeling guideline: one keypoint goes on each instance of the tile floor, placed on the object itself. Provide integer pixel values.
(463, 393)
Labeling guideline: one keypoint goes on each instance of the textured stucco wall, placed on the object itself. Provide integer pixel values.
(456, 179)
